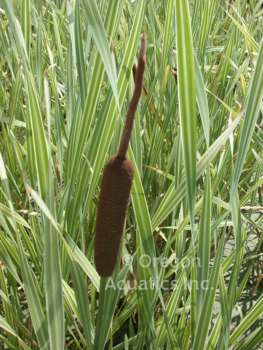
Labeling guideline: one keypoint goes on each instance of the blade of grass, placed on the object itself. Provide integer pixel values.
(26, 23)
(34, 302)
(80, 57)
(14, 96)
(82, 301)
(53, 278)
(93, 16)
(202, 100)
(173, 197)
(187, 99)
(5, 326)
(38, 133)
(253, 104)
(206, 313)
(204, 242)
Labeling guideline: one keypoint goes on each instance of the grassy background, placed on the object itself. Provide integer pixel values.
(197, 147)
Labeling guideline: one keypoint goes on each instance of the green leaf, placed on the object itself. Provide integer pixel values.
(26, 23)
(168, 23)
(38, 133)
(187, 99)
(202, 100)
(93, 16)
(14, 96)
(204, 243)
(207, 308)
(173, 197)
(52, 271)
(5, 326)
(206, 21)
(80, 56)
(82, 298)
(250, 318)
(16, 28)
(255, 94)
(33, 299)
(251, 340)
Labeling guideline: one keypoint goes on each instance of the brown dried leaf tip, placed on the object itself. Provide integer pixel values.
(116, 187)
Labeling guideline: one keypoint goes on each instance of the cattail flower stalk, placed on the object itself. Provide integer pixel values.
(116, 186)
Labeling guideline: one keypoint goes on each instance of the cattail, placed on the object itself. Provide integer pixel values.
(116, 187)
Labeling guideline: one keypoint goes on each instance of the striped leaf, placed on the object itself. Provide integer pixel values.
(53, 277)
(187, 99)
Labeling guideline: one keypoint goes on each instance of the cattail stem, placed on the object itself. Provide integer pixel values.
(127, 131)
(103, 281)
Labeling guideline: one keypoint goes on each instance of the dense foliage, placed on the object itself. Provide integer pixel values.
(192, 247)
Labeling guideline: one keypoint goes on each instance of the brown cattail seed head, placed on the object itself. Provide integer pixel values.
(116, 186)
(113, 204)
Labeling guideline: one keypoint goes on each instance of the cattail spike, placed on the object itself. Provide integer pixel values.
(116, 187)
(127, 130)
(113, 205)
